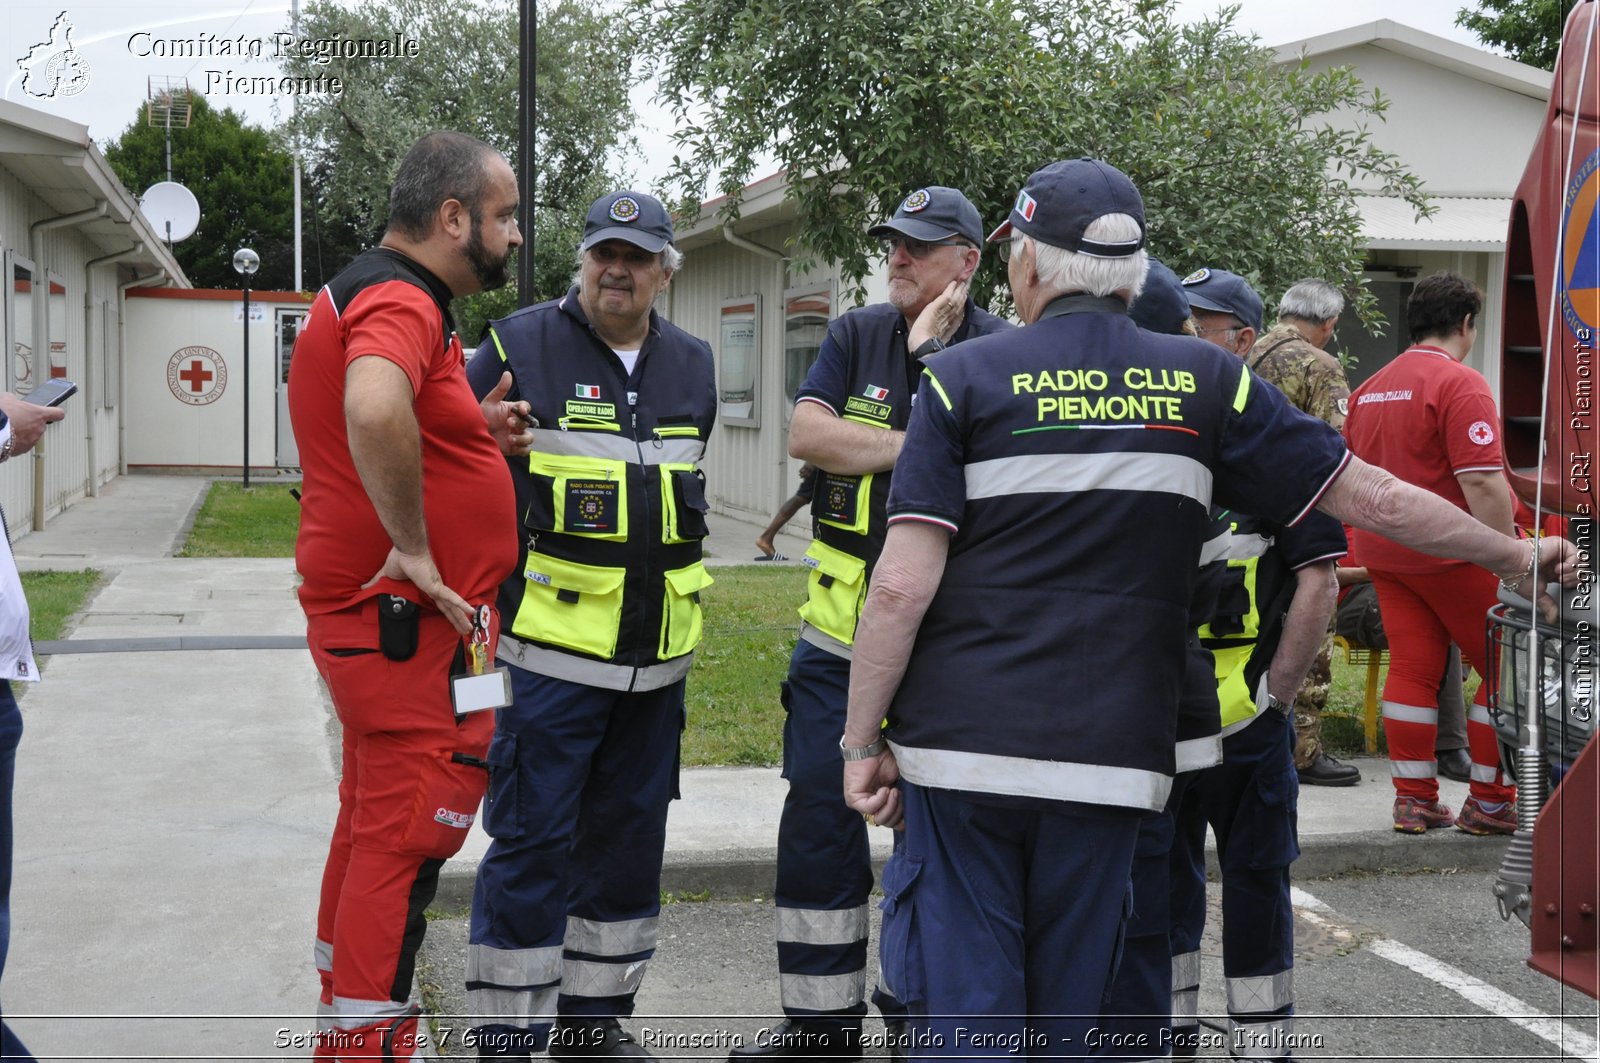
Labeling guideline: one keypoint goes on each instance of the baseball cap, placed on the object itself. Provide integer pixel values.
(1225, 293)
(639, 219)
(1162, 306)
(933, 213)
(1061, 200)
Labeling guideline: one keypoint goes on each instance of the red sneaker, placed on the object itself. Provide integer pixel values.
(1412, 815)
(1475, 819)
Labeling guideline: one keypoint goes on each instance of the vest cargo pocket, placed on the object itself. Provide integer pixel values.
(834, 591)
(571, 605)
(578, 496)
(843, 501)
(683, 504)
(681, 618)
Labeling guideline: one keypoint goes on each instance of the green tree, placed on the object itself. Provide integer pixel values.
(1236, 167)
(1529, 31)
(466, 80)
(243, 179)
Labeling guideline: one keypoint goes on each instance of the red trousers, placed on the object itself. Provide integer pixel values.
(1423, 613)
(406, 801)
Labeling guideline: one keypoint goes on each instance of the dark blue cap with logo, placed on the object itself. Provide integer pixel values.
(934, 213)
(1061, 201)
(1224, 293)
(1162, 306)
(639, 219)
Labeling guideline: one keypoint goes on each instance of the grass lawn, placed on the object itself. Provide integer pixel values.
(233, 522)
(55, 596)
(733, 708)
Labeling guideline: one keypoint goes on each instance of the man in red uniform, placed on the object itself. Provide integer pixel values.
(406, 530)
(1430, 421)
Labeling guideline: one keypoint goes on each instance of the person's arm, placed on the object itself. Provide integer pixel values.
(1488, 498)
(1315, 594)
(1349, 577)
(903, 585)
(1370, 498)
(828, 441)
(942, 316)
(386, 449)
(27, 421)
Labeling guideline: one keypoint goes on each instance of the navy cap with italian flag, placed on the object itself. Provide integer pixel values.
(1059, 202)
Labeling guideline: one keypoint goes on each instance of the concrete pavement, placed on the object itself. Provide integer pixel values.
(172, 808)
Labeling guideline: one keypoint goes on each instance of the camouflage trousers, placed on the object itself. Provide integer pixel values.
(1309, 703)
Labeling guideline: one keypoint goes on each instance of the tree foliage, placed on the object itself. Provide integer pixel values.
(1237, 166)
(243, 180)
(1529, 31)
(466, 80)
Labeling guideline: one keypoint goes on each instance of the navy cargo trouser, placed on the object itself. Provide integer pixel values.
(565, 906)
(1250, 802)
(1002, 925)
(824, 861)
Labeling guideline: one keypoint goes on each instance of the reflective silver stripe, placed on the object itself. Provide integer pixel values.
(1238, 725)
(1393, 710)
(1192, 754)
(1244, 547)
(1262, 993)
(1261, 1040)
(1215, 548)
(324, 1017)
(592, 978)
(351, 1014)
(558, 665)
(822, 992)
(1485, 773)
(511, 1007)
(513, 968)
(824, 641)
(1186, 970)
(1186, 1007)
(811, 926)
(1413, 769)
(1055, 780)
(322, 955)
(612, 447)
(623, 938)
(1478, 714)
(1060, 473)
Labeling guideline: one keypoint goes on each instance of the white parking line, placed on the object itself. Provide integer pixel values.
(1573, 1044)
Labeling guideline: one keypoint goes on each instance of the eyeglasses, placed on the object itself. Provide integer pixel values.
(1005, 247)
(919, 248)
(1198, 331)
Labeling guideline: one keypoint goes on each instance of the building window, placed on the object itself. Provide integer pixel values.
(739, 354)
(806, 312)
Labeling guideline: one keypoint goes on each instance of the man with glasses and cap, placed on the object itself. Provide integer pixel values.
(849, 420)
(602, 618)
(1027, 648)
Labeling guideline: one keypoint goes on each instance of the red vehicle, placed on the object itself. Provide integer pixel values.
(1549, 369)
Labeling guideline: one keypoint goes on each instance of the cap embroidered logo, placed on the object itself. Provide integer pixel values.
(917, 201)
(1026, 205)
(625, 209)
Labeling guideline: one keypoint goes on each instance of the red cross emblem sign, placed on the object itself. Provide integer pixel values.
(196, 376)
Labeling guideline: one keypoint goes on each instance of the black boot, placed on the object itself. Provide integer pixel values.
(797, 1040)
(580, 1038)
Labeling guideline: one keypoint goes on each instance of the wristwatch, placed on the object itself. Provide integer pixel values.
(861, 752)
(931, 345)
(1278, 706)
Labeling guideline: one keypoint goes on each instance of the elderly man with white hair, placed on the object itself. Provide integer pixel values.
(1025, 630)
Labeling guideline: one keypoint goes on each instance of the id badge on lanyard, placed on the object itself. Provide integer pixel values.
(481, 687)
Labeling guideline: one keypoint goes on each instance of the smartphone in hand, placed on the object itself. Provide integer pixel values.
(52, 392)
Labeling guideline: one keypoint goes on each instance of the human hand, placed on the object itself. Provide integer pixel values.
(941, 317)
(511, 423)
(420, 570)
(28, 421)
(869, 788)
(1558, 563)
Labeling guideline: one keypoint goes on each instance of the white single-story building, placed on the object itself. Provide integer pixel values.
(1462, 119)
(72, 243)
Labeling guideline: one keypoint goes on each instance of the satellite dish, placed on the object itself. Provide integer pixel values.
(171, 210)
